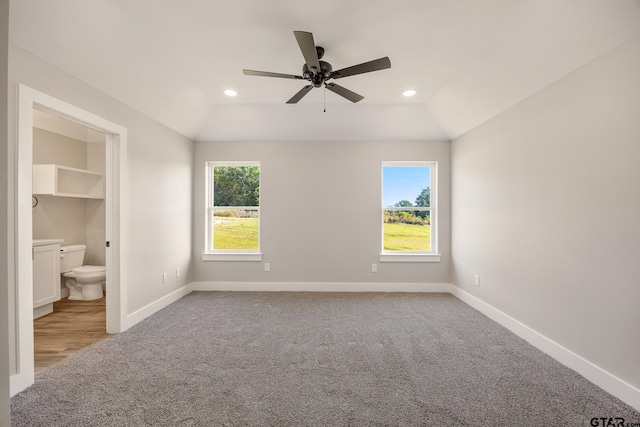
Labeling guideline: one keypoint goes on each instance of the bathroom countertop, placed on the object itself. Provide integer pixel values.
(42, 242)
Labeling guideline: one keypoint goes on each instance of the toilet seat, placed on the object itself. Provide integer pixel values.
(87, 269)
(88, 272)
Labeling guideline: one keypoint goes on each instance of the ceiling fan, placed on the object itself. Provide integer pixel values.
(319, 72)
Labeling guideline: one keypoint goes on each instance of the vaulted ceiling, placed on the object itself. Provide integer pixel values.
(468, 60)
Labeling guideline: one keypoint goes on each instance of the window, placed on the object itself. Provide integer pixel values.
(409, 212)
(233, 211)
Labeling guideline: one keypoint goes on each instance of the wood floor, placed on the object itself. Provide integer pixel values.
(72, 326)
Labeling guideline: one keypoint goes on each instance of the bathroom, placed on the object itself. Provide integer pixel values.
(77, 218)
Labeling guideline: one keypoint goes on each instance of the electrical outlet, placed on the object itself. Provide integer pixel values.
(165, 277)
(374, 268)
(178, 272)
(476, 280)
(267, 266)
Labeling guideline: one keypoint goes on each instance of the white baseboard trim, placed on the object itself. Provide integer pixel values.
(43, 310)
(320, 287)
(19, 382)
(157, 305)
(603, 379)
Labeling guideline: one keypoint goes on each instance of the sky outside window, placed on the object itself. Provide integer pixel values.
(404, 183)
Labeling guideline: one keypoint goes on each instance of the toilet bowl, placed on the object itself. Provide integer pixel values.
(84, 282)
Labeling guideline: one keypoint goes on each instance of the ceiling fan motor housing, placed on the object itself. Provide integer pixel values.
(319, 77)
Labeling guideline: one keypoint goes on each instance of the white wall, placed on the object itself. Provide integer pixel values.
(4, 205)
(320, 211)
(159, 181)
(546, 208)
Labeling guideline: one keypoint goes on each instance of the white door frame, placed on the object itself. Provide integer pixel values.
(116, 208)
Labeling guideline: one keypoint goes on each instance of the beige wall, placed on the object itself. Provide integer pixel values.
(95, 209)
(59, 217)
(4, 226)
(75, 220)
(53, 148)
(320, 211)
(546, 206)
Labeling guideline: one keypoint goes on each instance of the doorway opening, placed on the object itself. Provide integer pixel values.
(115, 205)
(69, 169)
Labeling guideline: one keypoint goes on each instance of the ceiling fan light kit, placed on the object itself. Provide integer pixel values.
(318, 73)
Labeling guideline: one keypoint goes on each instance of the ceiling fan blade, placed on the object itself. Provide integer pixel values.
(308, 48)
(344, 92)
(298, 96)
(367, 67)
(269, 74)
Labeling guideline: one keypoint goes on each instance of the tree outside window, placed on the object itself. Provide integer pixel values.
(407, 207)
(234, 207)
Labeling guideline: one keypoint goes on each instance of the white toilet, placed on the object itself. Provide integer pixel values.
(84, 282)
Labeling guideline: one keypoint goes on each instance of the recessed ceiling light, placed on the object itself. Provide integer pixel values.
(409, 92)
(230, 92)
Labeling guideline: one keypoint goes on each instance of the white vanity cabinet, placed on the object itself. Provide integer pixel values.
(46, 275)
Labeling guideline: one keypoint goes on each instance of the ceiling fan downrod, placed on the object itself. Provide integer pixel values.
(324, 93)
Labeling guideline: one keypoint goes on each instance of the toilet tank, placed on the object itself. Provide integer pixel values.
(71, 256)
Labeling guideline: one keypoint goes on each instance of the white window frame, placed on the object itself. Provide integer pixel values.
(227, 255)
(412, 256)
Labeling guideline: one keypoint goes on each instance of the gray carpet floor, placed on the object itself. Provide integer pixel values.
(314, 359)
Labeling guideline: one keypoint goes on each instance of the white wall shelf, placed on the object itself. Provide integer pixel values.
(63, 181)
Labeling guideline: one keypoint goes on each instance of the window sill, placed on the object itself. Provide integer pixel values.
(232, 256)
(407, 257)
